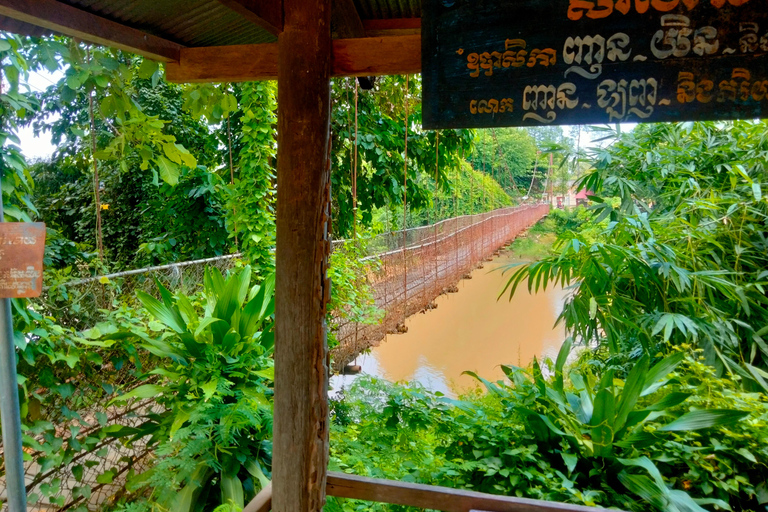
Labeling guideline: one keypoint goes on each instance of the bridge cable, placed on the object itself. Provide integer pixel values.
(405, 204)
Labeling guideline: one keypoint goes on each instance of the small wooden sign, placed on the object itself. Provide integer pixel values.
(489, 63)
(22, 245)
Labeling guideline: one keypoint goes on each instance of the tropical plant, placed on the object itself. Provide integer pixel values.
(683, 255)
(352, 297)
(251, 195)
(604, 420)
(500, 443)
(214, 437)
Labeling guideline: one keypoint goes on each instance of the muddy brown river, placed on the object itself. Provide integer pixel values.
(469, 330)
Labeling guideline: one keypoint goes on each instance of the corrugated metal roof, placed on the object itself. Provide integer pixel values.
(388, 9)
(187, 22)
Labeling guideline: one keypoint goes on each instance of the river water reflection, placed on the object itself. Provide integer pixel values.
(470, 330)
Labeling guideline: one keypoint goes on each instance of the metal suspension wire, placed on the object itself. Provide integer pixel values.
(510, 178)
(232, 174)
(354, 195)
(405, 204)
(456, 205)
(464, 231)
(533, 176)
(354, 170)
(437, 186)
(96, 180)
(485, 202)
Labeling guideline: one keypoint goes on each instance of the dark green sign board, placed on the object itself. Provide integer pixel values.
(489, 63)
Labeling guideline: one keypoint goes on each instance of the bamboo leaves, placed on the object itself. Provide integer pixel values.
(677, 251)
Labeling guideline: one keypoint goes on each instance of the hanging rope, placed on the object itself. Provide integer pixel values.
(485, 207)
(533, 176)
(354, 200)
(405, 205)
(437, 186)
(510, 178)
(354, 173)
(456, 206)
(96, 180)
(232, 174)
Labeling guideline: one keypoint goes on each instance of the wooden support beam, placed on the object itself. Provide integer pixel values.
(370, 56)
(433, 497)
(70, 21)
(393, 27)
(345, 20)
(262, 502)
(241, 63)
(376, 56)
(268, 14)
(300, 442)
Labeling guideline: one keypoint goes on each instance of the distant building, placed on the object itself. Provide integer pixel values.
(571, 199)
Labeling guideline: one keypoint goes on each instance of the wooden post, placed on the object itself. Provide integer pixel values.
(303, 196)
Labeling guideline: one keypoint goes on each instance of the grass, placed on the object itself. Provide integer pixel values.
(535, 243)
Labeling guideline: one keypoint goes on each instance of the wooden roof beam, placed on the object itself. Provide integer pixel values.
(369, 56)
(345, 20)
(393, 27)
(268, 14)
(71, 21)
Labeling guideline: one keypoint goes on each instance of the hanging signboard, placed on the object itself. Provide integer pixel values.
(22, 245)
(489, 63)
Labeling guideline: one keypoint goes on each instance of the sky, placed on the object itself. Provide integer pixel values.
(32, 147)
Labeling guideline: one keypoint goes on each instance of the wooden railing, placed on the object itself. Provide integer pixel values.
(444, 499)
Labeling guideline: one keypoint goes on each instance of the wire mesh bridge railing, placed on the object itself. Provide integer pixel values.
(409, 269)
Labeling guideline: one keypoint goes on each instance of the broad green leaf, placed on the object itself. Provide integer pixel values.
(205, 323)
(232, 490)
(697, 420)
(209, 388)
(186, 499)
(145, 391)
(161, 312)
(147, 69)
(181, 416)
(669, 401)
(631, 392)
(169, 171)
(644, 487)
(267, 373)
(661, 370)
(255, 471)
(570, 460)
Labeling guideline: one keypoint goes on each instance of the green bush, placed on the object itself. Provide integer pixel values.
(650, 441)
(213, 440)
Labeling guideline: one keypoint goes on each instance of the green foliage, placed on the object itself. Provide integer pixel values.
(468, 192)
(213, 441)
(604, 420)
(251, 199)
(683, 255)
(538, 241)
(381, 150)
(144, 221)
(351, 294)
(110, 75)
(65, 378)
(636, 448)
(15, 107)
(508, 155)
